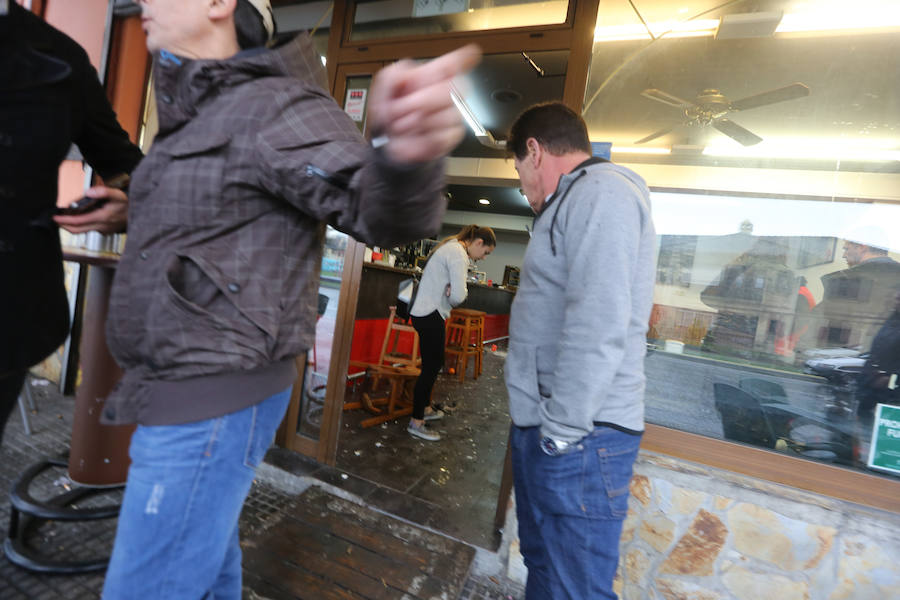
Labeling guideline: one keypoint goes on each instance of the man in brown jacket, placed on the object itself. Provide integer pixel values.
(216, 291)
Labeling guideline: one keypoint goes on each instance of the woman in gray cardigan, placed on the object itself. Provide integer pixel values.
(442, 287)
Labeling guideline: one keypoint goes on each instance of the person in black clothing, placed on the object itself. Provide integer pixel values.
(878, 382)
(50, 97)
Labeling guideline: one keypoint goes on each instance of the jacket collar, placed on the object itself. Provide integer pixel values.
(183, 86)
(566, 180)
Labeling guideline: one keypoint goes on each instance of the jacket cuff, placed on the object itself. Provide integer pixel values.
(394, 169)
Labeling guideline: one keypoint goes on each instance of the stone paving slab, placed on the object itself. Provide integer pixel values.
(51, 424)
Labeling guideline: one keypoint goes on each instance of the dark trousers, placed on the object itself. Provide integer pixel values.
(431, 346)
(10, 386)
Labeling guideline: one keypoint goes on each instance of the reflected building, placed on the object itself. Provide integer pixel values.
(771, 298)
(754, 298)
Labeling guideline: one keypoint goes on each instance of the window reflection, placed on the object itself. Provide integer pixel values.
(776, 184)
(318, 360)
(773, 335)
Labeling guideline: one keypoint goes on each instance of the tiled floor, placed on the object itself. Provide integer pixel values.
(52, 426)
(451, 485)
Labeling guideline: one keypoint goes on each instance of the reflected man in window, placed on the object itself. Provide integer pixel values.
(878, 383)
(857, 300)
(575, 368)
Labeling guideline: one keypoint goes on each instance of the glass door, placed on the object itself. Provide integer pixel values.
(313, 420)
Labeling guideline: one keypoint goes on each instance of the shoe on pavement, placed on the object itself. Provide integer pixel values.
(420, 431)
(435, 415)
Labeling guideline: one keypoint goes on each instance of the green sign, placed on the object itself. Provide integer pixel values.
(884, 453)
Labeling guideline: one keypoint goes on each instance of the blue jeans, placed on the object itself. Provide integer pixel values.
(177, 535)
(570, 510)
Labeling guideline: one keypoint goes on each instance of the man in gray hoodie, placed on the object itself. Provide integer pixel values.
(575, 369)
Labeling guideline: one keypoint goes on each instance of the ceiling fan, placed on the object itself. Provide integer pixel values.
(711, 106)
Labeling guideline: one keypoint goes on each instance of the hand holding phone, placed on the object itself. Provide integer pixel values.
(81, 206)
(86, 204)
(104, 208)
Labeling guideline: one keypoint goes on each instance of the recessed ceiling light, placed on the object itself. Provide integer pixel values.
(483, 201)
(506, 96)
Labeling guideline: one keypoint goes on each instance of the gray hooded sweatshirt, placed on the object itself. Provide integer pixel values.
(579, 319)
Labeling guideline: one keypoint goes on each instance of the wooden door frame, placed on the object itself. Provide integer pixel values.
(324, 449)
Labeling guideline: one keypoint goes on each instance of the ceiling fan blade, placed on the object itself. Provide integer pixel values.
(665, 98)
(788, 92)
(735, 131)
(655, 135)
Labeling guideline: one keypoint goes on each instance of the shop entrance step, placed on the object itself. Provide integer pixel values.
(326, 547)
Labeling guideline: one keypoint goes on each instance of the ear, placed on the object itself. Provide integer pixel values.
(535, 151)
(221, 9)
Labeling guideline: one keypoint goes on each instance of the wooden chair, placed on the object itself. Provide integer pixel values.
(399, 368)
(397, 401)
(465, 339)
(396, 330)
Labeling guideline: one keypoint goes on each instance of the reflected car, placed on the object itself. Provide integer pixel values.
(829, 367)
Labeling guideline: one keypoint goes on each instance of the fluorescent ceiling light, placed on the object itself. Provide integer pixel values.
(639, 150)
(467, 113)
(671, 29)
(861, 16)
(484, 201)
(748, 25)
(810, 149)
(484, 136)
(887, 17)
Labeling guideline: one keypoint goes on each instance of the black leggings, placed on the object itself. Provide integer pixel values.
(10, 386)
(431, 346)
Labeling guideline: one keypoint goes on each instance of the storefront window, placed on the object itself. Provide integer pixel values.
(379, 19)
(770, 141)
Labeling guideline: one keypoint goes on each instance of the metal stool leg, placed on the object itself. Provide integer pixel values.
(26, 420)
(26, 512)
(28, 395)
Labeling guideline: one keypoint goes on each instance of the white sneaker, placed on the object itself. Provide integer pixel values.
(435, 415)
(421, 432)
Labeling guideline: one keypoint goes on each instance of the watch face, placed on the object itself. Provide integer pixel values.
(549, 446)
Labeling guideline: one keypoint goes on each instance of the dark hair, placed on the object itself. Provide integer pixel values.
(468, 234)
(555, 126)
(251, 31)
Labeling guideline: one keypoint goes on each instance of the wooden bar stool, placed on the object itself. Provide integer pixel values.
(465, 339)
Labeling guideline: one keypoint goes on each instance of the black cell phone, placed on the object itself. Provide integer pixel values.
(86, 204)
(82, 205)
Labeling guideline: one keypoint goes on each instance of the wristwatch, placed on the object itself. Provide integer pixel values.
(552, 447)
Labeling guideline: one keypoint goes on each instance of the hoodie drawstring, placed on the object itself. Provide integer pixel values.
(563, 197)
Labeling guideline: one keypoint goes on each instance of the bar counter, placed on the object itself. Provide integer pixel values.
(378, 292)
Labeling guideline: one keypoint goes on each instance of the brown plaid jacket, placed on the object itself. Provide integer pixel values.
(227, 214)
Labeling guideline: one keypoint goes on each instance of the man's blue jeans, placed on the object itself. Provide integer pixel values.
(570, 510)
(177, 535)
